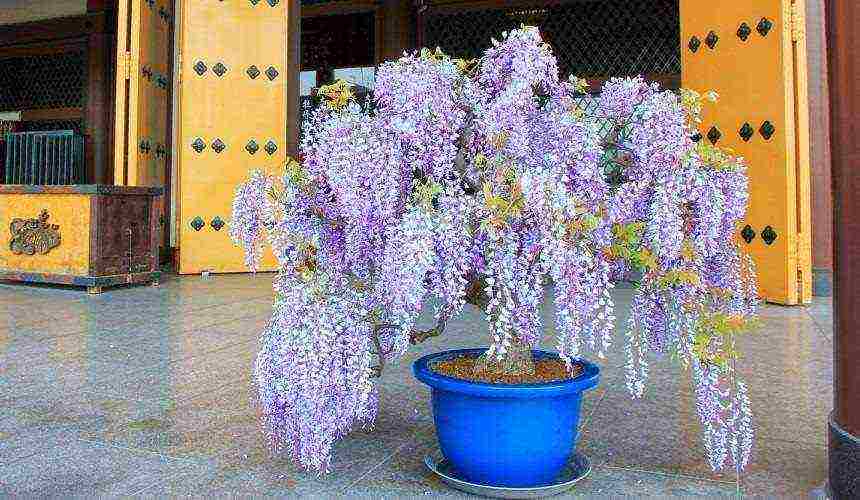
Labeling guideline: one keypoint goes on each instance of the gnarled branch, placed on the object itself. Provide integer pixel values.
(475, 295)
(377, 328)
(419, 336)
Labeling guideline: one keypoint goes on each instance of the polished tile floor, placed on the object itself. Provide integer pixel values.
(145, 392)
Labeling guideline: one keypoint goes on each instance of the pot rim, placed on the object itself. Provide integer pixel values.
(587, 380)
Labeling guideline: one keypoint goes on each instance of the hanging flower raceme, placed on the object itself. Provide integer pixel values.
(356, 236)
(314, 368)
(675, 214)
(408, 257)
(253, 213)
(455, 248)
(416, 100)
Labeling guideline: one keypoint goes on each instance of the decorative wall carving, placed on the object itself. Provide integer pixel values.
(34, 236)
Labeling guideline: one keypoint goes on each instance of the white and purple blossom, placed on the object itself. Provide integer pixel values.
(492, 172)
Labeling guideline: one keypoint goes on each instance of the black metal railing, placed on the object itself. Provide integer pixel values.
(44, 158)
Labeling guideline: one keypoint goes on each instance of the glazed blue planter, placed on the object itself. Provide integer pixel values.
(516, 436)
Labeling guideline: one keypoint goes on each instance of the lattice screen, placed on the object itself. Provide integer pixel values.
(77, 126)
(339, 41)
(43, 81)
(594, 38)
(7, 126)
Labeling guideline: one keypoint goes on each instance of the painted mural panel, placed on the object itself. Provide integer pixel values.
(45, 233)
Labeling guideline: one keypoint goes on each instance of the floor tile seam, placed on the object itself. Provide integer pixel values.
(143, 338)
(810, 442)
(143, 451)
(88, 420)
(37, 302)
(592, 411)
(665, 474)
(184, 399)
(198, 395)
(81, 355)
(80, 297)
(17, 459)
(123, 323)
(61, 457)
(127, 321)
(74, 293)
(31, 388)
(382, 462)
(23, 316)
(61, 429)
(256, 291)
(35, 324)
(204, 354)
(822, 443)
(87, 300)
(195, 356)
(154, 484)
(25, 457)
(817, 324)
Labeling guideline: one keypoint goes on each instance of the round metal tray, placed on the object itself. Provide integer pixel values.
(577, 470)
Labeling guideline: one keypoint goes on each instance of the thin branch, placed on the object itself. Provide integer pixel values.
(419, 336)
(462, 150)
(377, 370)
(475, 295)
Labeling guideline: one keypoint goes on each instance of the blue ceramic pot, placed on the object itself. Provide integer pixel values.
(516, 436)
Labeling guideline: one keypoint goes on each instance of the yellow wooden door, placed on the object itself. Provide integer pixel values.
(125, 60)
(753, 54)
(142, 92)
(232, 119)
(152, 94)
(141, 157)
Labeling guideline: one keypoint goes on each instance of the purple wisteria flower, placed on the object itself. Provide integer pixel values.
(480, 182)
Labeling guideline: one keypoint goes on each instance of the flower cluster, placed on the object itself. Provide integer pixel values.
(490, 173)
(314, 368)
(422, 109)
(675, 216)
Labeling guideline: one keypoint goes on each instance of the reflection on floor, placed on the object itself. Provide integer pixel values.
(145, 391)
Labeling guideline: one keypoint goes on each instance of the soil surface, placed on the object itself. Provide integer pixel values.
(546, 370)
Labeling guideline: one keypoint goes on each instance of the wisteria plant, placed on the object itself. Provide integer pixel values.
(482, 182)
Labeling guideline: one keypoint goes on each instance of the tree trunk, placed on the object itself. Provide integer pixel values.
(517, 361)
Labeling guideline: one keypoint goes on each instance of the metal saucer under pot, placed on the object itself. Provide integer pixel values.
(577, 469)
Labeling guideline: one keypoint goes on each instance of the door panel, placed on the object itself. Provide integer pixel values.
(143, 60)
(232, 119)
(123, 63)
(153, 85)
(747, 53)
(120, 252)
